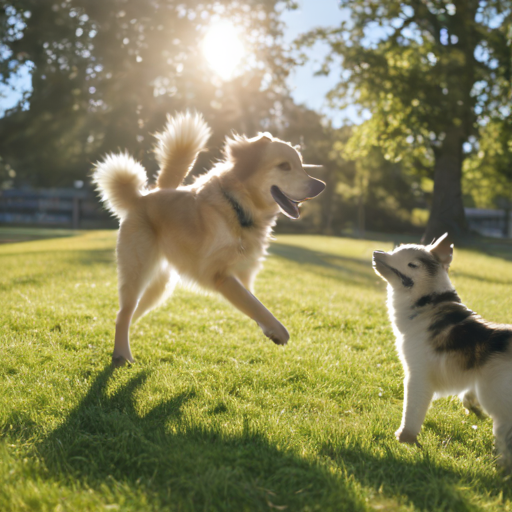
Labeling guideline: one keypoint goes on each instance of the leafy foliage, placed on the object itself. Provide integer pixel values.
(105, 73)
(488, 168)
(431, 73)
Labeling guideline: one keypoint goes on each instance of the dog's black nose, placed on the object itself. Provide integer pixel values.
(316, 187)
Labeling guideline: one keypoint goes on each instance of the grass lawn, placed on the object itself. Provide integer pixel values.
(23, 234)
(213, 416)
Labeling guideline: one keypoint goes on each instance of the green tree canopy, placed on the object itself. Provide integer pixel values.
(106, 72)
(432, 73)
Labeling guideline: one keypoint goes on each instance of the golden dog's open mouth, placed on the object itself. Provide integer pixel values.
(288, 206)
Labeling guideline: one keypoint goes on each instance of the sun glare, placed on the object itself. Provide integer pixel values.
(223, 49)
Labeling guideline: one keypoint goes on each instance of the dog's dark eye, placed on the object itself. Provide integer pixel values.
(285, 166)
(412, 265)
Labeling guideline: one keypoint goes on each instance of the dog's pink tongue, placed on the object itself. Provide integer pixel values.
(288, 207)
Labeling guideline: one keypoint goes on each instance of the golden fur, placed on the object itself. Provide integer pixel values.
(213, 233)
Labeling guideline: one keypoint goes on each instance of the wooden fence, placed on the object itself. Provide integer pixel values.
(52, 207)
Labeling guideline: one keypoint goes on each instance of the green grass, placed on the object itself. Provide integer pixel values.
(213, 416)
(10, 234)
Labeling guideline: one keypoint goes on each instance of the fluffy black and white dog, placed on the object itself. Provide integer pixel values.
(445, 348)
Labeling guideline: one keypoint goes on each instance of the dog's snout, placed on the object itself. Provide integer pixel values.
(316, 187)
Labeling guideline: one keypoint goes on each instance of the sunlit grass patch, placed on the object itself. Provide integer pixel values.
(213, 416)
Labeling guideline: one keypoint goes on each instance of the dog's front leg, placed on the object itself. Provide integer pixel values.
(417, 397)
(233, 290)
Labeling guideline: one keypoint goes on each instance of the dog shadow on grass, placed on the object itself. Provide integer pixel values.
(342, 268)
(166, 460)
(423, 482)
(174, 463)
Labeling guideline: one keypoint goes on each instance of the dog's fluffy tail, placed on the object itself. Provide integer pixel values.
(120, 181)
(184, 136)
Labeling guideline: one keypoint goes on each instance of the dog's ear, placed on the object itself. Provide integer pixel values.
(442, 250)
(245, 154)
(237, 145)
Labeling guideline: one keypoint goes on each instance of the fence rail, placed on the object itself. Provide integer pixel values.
(56, 207)
(493, 223)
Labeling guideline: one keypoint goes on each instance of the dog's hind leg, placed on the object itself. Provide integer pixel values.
(494, 393)
(502, 429)
(471, 404)
(247, 303)
(136, 262)
(159, 289)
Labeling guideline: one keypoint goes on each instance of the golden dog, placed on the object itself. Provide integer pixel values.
(214, 233)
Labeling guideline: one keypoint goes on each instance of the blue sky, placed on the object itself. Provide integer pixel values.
(306, 88)
(10, 96)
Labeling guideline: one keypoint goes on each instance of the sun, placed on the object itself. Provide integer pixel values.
(223, 49)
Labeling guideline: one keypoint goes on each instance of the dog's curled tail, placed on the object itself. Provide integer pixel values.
(184, 136)
(120, 181)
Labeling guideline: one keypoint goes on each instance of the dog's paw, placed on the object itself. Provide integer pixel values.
(406, 437)
(276, 339)
(279, 335)
(119, 361)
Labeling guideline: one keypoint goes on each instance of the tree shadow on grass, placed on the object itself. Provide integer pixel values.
(342, 268)
(487, 280)
(10, 235)
(82, 256)
(179, 465)
(497, 248)
(425, 483)
(481, 249)
(34, 276)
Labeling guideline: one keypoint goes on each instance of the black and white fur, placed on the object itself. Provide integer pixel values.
(445, 348)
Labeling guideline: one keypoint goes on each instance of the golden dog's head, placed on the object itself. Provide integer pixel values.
(275, 170)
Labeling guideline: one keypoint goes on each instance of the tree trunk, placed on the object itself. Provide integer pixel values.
(447, 212)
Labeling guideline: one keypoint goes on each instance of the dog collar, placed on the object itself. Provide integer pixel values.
(437, 298)
(244, 218)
